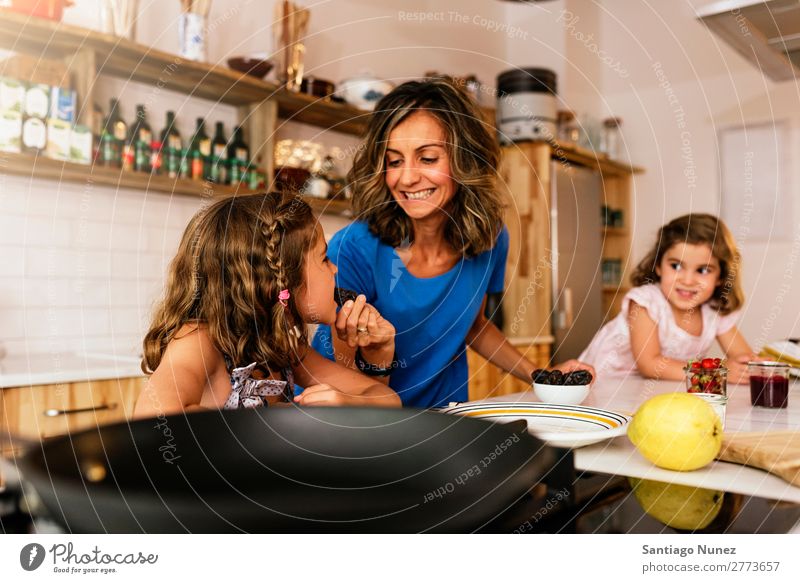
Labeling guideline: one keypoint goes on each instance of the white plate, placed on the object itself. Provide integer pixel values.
(557, 425)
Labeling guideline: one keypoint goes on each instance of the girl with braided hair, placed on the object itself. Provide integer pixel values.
(230, 331)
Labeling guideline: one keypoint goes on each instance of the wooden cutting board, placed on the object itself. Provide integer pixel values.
(777, 452)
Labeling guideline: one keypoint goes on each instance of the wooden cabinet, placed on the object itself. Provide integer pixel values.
(486, 380)
(525, 178)
(48, 410)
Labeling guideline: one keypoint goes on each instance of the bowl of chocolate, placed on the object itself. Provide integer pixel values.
(558, 388)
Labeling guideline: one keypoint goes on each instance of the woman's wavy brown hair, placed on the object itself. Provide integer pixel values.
(699, 229)
(233, 260)
(476, 210)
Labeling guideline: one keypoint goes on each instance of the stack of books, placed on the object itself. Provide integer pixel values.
(787, 351)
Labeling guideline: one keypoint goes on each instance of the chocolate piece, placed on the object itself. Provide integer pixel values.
(342, 295)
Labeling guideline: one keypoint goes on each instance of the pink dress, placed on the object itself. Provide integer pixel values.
(610, 350)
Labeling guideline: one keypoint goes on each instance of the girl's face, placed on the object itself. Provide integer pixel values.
(418, 167)
(316, 303)
(689, 275)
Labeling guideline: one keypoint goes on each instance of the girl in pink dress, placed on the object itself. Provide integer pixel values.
(688, 292)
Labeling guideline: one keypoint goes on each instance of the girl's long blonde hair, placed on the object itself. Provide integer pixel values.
(699, 229)
(232, 262)
(476, 211)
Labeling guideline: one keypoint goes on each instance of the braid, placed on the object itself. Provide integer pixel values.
(281, 320)
(272, 234)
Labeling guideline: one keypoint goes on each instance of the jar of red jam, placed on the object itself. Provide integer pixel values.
(769, 384)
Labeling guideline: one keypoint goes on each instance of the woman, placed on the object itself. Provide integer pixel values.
(427, 247)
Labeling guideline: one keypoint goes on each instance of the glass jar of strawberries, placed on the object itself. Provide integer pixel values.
(708, 379)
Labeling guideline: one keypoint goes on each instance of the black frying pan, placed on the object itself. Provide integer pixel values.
(287, 470)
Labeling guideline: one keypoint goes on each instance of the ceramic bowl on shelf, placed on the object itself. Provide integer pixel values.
(317, 87)
(255, 66)
(363, 91)
(561, 394)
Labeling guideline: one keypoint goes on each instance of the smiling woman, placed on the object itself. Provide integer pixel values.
(429, 244)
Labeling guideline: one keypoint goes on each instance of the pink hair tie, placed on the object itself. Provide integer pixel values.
(283, 296)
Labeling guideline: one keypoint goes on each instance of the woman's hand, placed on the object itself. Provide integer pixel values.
(361, 325)
(573, 364)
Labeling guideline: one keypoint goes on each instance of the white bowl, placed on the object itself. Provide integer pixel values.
(561, 394)
(363, 91)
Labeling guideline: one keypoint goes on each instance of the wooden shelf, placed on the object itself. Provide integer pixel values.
(609, 289)
(323, 113)
(615, 231)
(41, 167)
(585, 157)
(118, 57)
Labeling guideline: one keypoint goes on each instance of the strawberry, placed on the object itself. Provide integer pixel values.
(708, 363)
(694, 364)
(717, 362)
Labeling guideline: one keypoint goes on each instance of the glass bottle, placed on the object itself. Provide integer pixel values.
(109, 152)
(118, 126)
(219, 147)
(238, 157)
(116, 131)
(611, 138)
(569, 132)
(199, 151)
(171, 146)
(141, 139)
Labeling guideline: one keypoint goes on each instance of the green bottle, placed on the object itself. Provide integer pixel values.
(109, 149)
(199, 152)
(219, 147)
(238, 157)
(172, 147)
(141, 140)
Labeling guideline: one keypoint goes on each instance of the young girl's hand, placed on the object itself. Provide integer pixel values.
(738, 373)
(360, 324)
(323, 395)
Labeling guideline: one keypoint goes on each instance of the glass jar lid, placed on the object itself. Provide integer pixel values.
(768, 363)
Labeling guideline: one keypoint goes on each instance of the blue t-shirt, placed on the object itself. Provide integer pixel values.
(431, 315)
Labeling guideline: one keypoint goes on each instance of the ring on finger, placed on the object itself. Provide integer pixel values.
(361, 330)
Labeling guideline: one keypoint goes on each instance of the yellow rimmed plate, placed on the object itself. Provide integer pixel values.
(558, 425)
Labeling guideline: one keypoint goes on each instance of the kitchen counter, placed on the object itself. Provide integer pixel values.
(619, 456)
(53, 368)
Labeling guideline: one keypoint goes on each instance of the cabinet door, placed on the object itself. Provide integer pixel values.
(486, 380)
(49, 410)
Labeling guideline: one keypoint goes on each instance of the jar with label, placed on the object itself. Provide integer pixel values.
(80, 150)
(611, 138)
(10, 131)
(34, 135)
(58, 139)
(37, 101)
(569, 132)
(12, 95)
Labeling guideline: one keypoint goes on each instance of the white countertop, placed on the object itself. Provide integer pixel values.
(619, 456)
(52, 368)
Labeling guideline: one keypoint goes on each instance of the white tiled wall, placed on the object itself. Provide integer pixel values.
(80, 266)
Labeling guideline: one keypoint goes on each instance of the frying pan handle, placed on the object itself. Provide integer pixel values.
(58, 412)
(518, 426)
